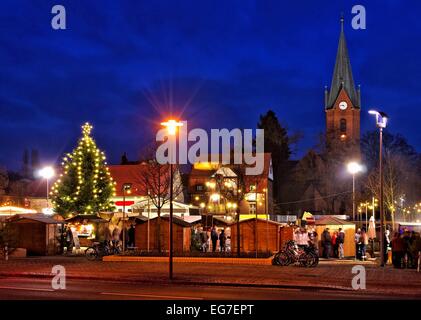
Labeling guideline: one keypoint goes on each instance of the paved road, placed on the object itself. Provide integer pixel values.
(27, 288)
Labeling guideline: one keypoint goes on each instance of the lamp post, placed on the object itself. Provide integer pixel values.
(126, 188)
(47, 173)
(171, 126)
(381, 121)
(353, 168)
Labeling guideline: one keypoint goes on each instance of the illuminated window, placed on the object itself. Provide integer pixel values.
(252, 208)
(252, 187)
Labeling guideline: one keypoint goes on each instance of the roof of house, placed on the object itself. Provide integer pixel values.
(198, 175)
(209, 172)
(128, 174)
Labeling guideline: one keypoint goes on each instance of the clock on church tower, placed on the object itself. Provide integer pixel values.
(342, 101)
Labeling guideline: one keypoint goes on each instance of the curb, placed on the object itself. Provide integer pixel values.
(238, 261)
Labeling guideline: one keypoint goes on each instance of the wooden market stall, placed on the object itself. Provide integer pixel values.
(334, 224)
(38, 234)
(267, 235)
(181, 234)
(88, 228)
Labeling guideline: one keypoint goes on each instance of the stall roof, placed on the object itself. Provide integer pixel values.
(410, 223)
(330, 220)
(34, 217)
(176, 220)
(90, 217)
(258, 219)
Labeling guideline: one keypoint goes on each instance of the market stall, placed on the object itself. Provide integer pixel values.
(334, 224)
(86, 228)
(38, 234)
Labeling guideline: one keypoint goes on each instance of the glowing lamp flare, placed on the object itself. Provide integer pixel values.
(354, 167)
(47, 172)
(171, 126)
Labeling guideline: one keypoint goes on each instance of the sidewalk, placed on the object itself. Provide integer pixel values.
(331, 274)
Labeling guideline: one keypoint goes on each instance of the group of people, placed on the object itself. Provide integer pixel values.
(213, 235)
(405, 247)
(333, 245)
(112, 236)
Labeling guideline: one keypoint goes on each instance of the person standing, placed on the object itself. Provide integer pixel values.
(398, 250)
(214, 238)
(335, 244)
(222, 239)
(326, 243)
(387, 245)
(204, 240)
(363, 244)
(131, 234)
(116, 236)
(302, 238)
(341, 240)
(357, 244)
(69, 240)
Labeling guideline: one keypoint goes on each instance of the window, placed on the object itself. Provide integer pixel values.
(252, 187)
(199, 187)
(252, 208)
(342, 125)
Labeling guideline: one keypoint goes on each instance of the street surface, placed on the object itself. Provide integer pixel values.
(26, 288)
(30, 278)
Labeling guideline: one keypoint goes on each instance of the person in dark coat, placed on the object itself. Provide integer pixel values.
(222, 239)
(214, 238)
(398, 250)
(326, 242)
(131, 234)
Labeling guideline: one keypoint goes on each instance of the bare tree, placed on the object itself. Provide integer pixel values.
(396, 178)
(155, 178)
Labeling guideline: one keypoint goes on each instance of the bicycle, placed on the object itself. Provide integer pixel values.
(99, 250)
(292, 254)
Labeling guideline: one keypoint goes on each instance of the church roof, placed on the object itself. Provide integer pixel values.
(342, 74)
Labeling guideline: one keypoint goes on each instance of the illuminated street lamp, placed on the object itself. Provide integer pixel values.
(171, 126)
(353, 168)
(381, 121)
(47, 173)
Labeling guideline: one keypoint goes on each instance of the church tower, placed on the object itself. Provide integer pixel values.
(343, 102)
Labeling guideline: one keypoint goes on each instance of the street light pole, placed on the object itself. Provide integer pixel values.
(353, 197)
(171, 126)
(381, 121)
(171, 219)
(381, 199)
(353, 168)
(126, 187)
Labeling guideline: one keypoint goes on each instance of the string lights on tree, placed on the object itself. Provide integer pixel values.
(85, 185)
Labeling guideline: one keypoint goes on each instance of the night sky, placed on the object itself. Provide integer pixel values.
(125, 65)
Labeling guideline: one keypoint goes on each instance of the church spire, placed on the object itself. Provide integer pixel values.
(342, 74)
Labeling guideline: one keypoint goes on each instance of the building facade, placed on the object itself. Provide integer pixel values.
(224, 190)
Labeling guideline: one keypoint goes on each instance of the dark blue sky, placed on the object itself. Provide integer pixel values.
(124, 65)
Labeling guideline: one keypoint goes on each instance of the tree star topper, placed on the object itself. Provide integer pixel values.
(86, 129)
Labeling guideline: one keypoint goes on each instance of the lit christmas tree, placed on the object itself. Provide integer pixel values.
(85, 185)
